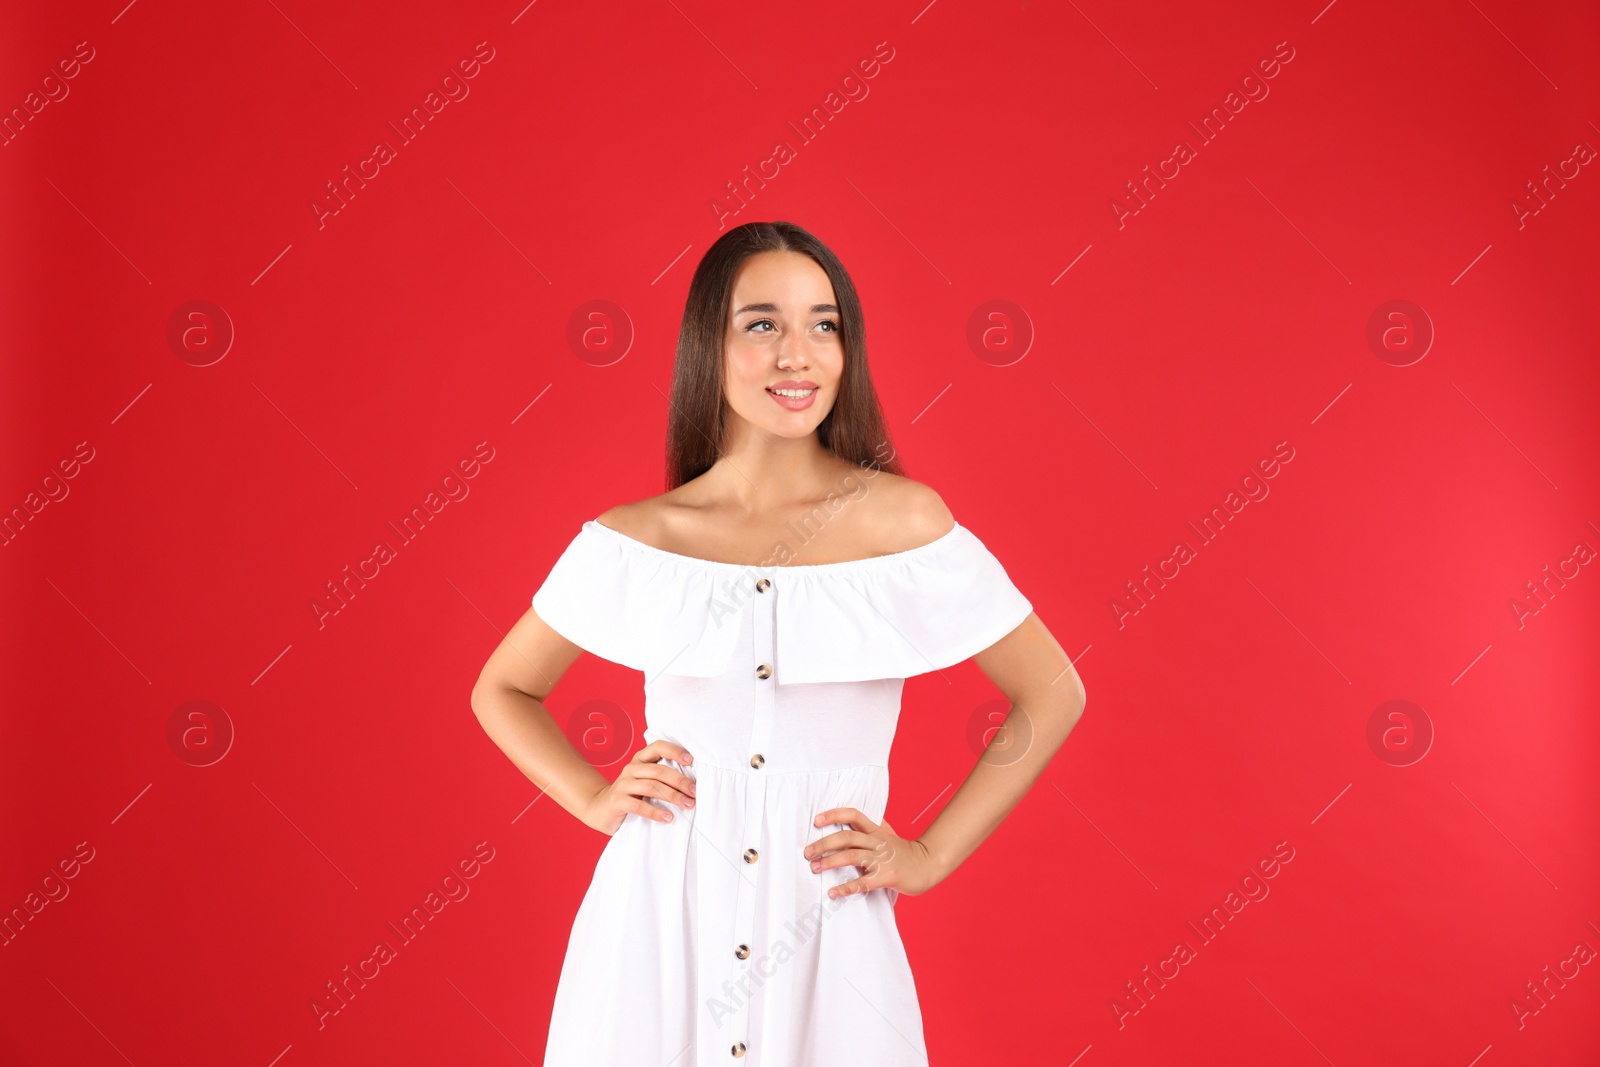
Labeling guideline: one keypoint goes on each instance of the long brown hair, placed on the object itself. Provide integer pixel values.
(697, 425)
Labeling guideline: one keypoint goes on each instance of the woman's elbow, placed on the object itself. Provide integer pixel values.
(481, 699)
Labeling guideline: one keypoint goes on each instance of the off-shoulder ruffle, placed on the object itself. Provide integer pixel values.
(893, 616)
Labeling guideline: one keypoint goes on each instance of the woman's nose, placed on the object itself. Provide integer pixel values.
(791, 356)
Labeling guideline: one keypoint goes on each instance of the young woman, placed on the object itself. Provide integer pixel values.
(775, 598)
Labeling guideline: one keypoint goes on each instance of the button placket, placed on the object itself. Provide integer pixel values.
(746, 953)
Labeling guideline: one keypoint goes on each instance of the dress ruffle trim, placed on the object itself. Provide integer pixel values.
(892, 616)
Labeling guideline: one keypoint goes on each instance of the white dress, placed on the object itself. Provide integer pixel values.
(709, 940)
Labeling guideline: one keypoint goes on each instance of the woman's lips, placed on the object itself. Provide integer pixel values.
(794, 403)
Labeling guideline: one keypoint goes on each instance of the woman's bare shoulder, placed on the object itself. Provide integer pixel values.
(630, 518)
(644, 520)
(909, 513)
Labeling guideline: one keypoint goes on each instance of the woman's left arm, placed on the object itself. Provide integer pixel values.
(1047, 697)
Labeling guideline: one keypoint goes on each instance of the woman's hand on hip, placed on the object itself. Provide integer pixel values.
(887, 860)
(642, 776)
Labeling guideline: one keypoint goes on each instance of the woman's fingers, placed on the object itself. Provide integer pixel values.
(836, 840)
(845, 815)
(668, 783)
(638, 806)
(845, 889)
(643, 786)
(845, 857)
(643, 777)
(657, 750)
(677, 779)
(859, 826)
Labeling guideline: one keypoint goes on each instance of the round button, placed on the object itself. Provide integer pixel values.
(751, 855)
(738, 1049)
(763, 671)
(757, 760)
(743, 952)
(763, 585)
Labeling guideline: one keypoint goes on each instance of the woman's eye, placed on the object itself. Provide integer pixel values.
(833, 325)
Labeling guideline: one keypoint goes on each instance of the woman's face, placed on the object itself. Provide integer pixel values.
(783, 335)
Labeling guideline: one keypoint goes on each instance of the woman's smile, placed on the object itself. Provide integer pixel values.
(796, 396)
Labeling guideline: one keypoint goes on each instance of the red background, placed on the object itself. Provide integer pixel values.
(372, 352)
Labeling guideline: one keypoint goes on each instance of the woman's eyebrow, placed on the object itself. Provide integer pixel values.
(816, 309)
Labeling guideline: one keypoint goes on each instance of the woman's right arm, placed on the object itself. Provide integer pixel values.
(508, 699)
